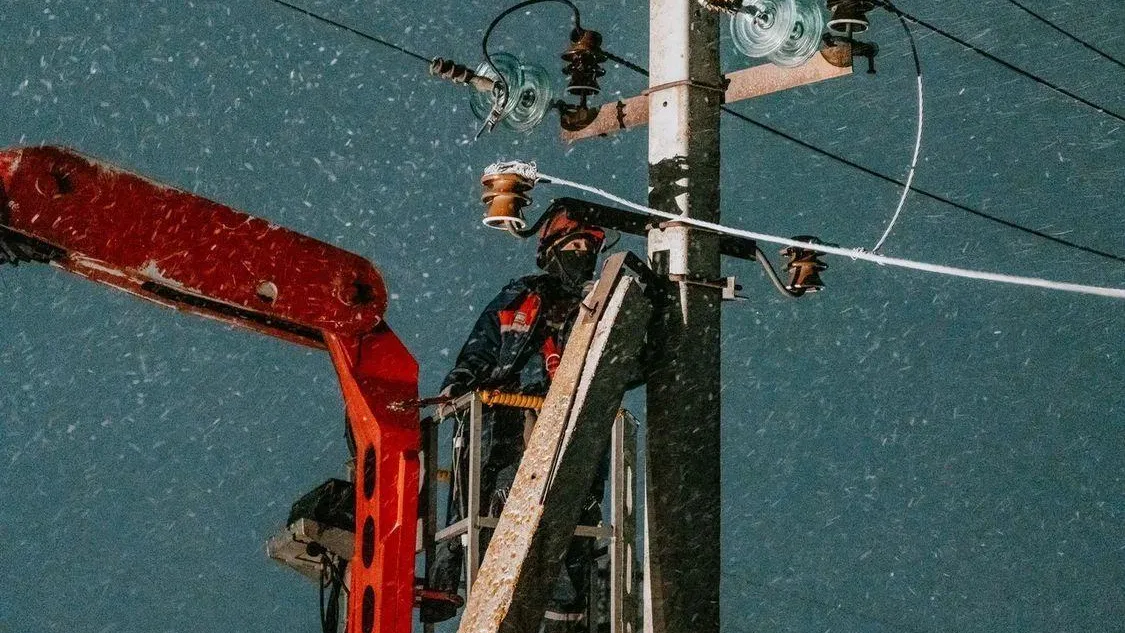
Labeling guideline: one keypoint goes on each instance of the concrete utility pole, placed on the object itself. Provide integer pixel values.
(683, 492)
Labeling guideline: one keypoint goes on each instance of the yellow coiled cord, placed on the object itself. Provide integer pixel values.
(514, 400)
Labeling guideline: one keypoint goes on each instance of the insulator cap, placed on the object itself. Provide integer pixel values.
(849, 15)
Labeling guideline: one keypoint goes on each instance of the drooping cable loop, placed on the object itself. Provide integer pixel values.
(501, 89)
(917, 140)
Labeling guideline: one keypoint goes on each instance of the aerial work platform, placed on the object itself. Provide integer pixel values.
(580, 418)
(616, 571)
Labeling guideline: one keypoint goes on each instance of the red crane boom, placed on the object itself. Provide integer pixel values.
(185, 252)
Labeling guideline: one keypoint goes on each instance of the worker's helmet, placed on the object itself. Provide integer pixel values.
(560, 229)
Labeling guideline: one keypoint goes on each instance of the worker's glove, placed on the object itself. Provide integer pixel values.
(452, 392)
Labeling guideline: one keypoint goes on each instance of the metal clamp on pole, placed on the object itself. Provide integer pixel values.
(728, 285)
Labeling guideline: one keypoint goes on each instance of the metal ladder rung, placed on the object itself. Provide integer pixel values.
(490, 523)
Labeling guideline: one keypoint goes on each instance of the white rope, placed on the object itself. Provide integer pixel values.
(1118, 293)
(913, 167)
(527, 170)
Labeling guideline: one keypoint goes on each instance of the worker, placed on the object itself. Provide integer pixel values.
(516, 346)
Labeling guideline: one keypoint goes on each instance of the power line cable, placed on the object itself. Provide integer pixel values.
(641, 70)
(871, 172)
(531, 172)
(1058, 28)
(933, 196)
(366, 36)
(626, 63)
(1010, 66)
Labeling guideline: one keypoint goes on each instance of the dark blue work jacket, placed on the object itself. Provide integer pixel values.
(517, 337)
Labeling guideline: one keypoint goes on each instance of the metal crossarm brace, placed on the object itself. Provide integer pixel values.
(747, 83)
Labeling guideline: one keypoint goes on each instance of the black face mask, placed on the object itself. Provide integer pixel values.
(573, 268)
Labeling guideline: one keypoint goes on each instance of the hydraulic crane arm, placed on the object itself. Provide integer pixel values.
(195, 255)
(181, 250)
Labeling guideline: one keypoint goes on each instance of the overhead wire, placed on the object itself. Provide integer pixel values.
(889, 6)
(860, 254)
(1068, 34)
(923, 192)
(626, 63)
(366, 36)
(641, 70)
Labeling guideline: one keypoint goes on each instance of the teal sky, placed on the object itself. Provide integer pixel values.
(903, 452)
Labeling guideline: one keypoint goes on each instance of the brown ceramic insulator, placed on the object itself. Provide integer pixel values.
(583, 62)
(505, 197)
(804, 267)
(837, 52)
(451, 70)
(804, 275)
(849, 15)
(459, 74)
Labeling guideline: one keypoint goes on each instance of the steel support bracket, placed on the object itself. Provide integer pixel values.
(728, 285)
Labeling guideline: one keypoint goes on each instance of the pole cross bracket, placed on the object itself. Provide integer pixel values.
(755, 81)
(729, 285)
(721, 89)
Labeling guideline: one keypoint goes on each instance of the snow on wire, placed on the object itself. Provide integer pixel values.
(531, 172)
